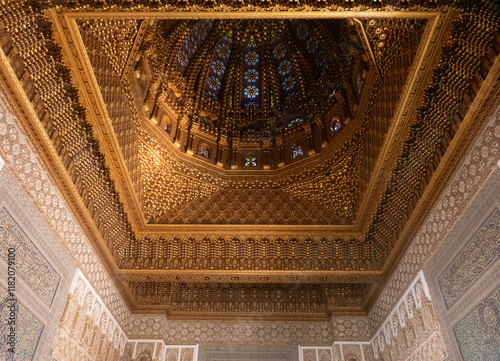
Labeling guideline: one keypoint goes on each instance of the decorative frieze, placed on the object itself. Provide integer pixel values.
(352, 351)
(87, 330)
(315, 353)
(411, 332)
(157, 350)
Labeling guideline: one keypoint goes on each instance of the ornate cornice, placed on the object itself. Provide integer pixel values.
(419, 149)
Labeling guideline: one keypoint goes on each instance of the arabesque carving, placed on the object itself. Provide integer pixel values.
(87, 331)
(411, 332)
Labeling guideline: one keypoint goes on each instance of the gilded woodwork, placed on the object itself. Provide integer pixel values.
(143, 170)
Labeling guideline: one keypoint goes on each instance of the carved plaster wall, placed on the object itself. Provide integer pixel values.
(350, 328)
(157, 350)
(411, 331)
(28, 187)
(207, 332)
(87, 330)
(465, 203)
(248, 352)
(307, 353)
(43, 270)
(352, 351)
(463, 274)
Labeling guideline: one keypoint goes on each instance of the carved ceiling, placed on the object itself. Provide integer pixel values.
(295, 208)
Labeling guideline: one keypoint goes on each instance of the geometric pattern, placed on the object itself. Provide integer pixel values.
(87, 331)
(315, 353)
(468, 179)
(30, 263)
(475, 258)
(261, 332)
(411, 332)
(28, 331)
(478, 333)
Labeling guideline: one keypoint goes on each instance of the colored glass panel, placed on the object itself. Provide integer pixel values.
(251, 92)
(204, 151)
(285, 69)
(250, 161)
(251, 75)
(191, 44)
(297, 151)
(218, 66)
(336, 124)
(295, 121)
(288, 83)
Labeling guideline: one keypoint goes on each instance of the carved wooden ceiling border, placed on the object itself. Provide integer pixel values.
(60, 154)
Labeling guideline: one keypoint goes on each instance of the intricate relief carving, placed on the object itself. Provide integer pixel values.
(250, 298)
(251, 254)
(206, 198)
(44, 76)
(116, 37)
(411, 332)
(385, 36)
(434, 128)
(223, 6)
(312, 353)
(30, 263)
(165, 188)
(157, 350)
(28, 330)
(257, 206)
(477, 256)
(87, 330)
(25, 164)
(336, 189)
(350, 328)
(113, 86)
(475, 169)
(261, 332)
(249, 352)
(478, 333)
(57, 107)
(352, 351)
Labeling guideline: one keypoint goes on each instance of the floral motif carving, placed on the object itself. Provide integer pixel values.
(473, 260)
(31, 264)
(411, 332)
(87, 331)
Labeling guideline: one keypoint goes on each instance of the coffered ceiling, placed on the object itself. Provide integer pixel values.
(120, 121)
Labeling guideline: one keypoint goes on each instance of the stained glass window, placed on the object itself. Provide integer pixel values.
(288, 83)
(251, 161)
(195, 38)
(335, 126)
(279, 52)
(166, 124)
(297, 151)
(285, 69)
(206, 123)
(204, 150)
(218, 66)
(310, 39)
(295, 121)
(251, 75)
